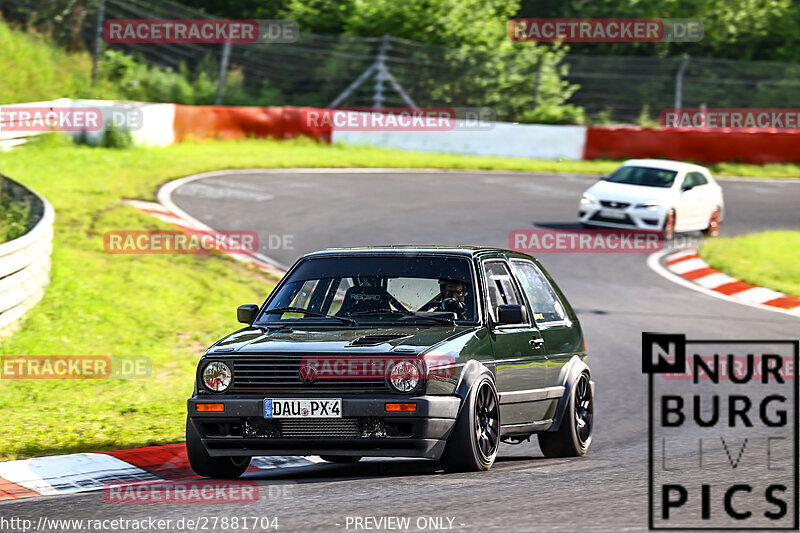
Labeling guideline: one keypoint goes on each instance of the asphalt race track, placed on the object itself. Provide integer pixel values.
(616, 296)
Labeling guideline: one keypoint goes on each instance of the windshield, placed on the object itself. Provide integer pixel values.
(647, 177)
(379, 289)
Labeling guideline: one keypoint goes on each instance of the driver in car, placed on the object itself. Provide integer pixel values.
(452, 297)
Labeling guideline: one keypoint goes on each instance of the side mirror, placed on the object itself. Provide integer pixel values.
(511, 314)
(687, 186)
(246, 314)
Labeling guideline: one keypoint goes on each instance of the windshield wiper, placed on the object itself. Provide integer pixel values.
(310, 313)
(435, 318)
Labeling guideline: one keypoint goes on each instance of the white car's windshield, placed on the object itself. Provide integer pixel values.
(644, 176)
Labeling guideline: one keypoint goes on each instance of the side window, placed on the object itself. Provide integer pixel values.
(688, 181)
(500, 286)
(544, 302)
(699, 179)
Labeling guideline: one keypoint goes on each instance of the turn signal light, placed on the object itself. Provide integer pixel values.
(210, 407)
(405, 407)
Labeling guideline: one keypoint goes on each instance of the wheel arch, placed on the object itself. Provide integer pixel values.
(472, 372)
(569, 375)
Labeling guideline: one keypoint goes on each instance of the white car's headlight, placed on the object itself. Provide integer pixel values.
(217, 376)
(404, 376)
(588, 198)
(651, 205)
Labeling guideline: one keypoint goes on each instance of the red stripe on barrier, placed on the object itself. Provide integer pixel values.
(699, 273)
(702, 145)
(205, 121)
(785, 302)
(167, 461)
(12, 491)
(733, 287)
(684, 258)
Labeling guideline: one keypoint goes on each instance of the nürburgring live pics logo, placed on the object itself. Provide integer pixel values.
(723, 433)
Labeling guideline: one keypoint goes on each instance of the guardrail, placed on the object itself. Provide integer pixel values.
(25, 261)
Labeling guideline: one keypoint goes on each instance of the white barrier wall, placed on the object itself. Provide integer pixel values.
(149, 124)
(532, 141)
(25, 268)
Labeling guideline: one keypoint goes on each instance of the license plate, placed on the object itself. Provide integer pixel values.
(612, 214)
(288, 408)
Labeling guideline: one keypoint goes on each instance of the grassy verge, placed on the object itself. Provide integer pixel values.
(768, 259)
(166, 307)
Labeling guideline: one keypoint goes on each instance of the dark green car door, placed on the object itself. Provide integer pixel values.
(519, 350)
(561, 338)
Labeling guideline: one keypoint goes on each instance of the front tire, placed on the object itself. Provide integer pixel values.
(214, 467)
(475, 439)
(669, 225)
(575, 433)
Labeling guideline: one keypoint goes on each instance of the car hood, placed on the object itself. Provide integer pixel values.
(260, 341)
(625, 192)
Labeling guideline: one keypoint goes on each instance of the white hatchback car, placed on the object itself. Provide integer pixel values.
(655, 194)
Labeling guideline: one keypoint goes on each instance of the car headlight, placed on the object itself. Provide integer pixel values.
(588, 198)
(217, 376)
(404, 376)
(648, 205)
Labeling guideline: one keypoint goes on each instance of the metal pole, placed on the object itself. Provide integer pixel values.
(223, 70)
(380, 75)
(679, 83)
(98, 37)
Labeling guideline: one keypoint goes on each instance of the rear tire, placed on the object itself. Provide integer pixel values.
(575, 433)
(475, 439)
(714, 223)
(341, 459)
(214, 467)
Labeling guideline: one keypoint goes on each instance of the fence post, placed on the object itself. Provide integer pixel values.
(223, 71)
(98, 37)
(679, 83)
(380, 74)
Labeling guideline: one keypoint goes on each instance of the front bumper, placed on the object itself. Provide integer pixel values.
(242, 430)
(629, 217)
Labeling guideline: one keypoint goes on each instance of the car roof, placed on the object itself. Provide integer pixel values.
(665, 164)
(404, 249)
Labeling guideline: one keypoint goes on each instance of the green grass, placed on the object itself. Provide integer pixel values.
(769, 259)
(36, 70)
(166, 307)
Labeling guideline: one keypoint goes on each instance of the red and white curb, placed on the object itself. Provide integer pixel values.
(86, 472)
(686, 268)
(186, 223)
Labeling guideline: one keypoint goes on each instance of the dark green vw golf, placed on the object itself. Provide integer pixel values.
(433, 352)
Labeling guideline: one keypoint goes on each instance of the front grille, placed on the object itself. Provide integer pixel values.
(303, 429)
(627, 220)
(614, 205)
(280, 372)
(314, 428)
